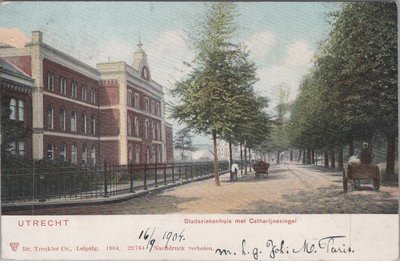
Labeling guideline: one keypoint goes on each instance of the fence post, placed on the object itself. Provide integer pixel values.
(186, 174)
(130, 166)
(165, 174)
(191, 170)
(105, 180)
(145, 177)
(173, 170)
(180, 174)
(155, 176)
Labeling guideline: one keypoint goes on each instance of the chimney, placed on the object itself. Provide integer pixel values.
(37, 37)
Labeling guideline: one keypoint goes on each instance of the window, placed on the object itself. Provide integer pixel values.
(146, 104)
(84, 154)
(13, 109)
(153, 107)
(63, 152)
(158, 111)
(130, 98)
(129, 126)
(62, 119)
(130, 154)
(50, 117)
(92, 125)
(20, 110)
(136, 127)
(13, 148)
(74, 154)
(74, 89)
(137, 154)
(21, 149)
(84, 93)
(154, 154)
(94, 155)
(146, 129)
(137, 100)
(50, 81)
(153, 131)
(159, 155)
(73, 121)
(92, 96)
(63, 85)
(50, 151)
(158, 132)
(84, 123)
(147, 154)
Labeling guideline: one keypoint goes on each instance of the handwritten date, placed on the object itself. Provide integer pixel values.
(149, 235)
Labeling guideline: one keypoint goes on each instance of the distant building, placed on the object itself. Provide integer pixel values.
(81, 114)
(223, 151)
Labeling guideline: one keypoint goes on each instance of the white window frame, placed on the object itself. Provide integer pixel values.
(50, 117)
(63, 152)
(62, 119)
(73, 121)
(50, 151)
(13, 108)
(74, 154)
(21, 112)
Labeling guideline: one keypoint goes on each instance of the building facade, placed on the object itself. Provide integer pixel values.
(112, 113)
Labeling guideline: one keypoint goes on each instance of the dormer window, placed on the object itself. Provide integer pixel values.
(145, 73)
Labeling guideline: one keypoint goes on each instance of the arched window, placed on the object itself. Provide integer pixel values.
(130, 98)
(84, 93)
(146, 129)
(50, 151)
(84, 154)
(20, 110)
(21, 149)
(92, 96)
(63, 85)
(92, 125)
(136, 127)
(146, 104)
(74, 154)
(137, 154)
(84, 123)
(13, 109)
(137, 100)
(153, 107)
(62, 119)
(153, 131)
(74, 89)
(73, 121)
(93, 155)
(130, 154)
(158, 132)
(129, 126)
(13, 148)
(63, 152)
(50, 81)
(147, 154)
(50, 117)
(159, 155)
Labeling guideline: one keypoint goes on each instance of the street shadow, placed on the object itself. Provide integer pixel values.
(150, 204)
(326, 200)
(253, 178)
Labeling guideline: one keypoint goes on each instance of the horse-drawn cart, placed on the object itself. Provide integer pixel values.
(361, 171)
(261, 168)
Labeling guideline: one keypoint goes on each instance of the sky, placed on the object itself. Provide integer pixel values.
(282, 37)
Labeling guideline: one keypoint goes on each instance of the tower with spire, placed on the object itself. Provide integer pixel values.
(140, 61)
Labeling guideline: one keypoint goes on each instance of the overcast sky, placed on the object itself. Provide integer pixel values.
(282, 37)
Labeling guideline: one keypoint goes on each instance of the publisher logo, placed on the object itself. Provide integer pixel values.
(14, 245)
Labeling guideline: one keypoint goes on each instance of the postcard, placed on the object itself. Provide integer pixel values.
(199, 131)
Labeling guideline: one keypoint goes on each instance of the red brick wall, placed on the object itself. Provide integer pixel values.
(70, 75)
(109, 94)
(109, 122)
(169, 143)
(22, 62)
(109, 152)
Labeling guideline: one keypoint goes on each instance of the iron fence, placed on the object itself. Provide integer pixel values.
(83, 182)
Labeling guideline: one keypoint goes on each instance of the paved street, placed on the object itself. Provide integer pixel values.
(290, 188)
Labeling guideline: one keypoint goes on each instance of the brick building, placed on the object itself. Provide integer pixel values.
(82, 114)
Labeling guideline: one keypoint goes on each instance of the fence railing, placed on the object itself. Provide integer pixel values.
(84, 182)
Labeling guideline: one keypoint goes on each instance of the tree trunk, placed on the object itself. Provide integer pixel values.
(351, 148)
(277, 157)
(241, 159)
(326, 160)
(391, 153)
(298, 159)
(250, 160)
(333, 159)
(291, 155)
(182, 154)
(304, 157)
(216, 171)
(230, 160)
(245, 160)
(340, 159)
(308, 156)
(312, 157)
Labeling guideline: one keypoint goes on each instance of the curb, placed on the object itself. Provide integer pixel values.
(104, 200)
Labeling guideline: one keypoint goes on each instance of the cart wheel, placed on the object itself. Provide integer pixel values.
(344, 181)
(377, 180)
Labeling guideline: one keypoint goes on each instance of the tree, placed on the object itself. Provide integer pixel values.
(183, 141)
(210, 97)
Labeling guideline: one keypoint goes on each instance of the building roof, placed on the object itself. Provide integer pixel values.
(6, 65)
(14, 76)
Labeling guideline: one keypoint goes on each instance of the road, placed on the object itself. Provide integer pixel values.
(289, 189)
